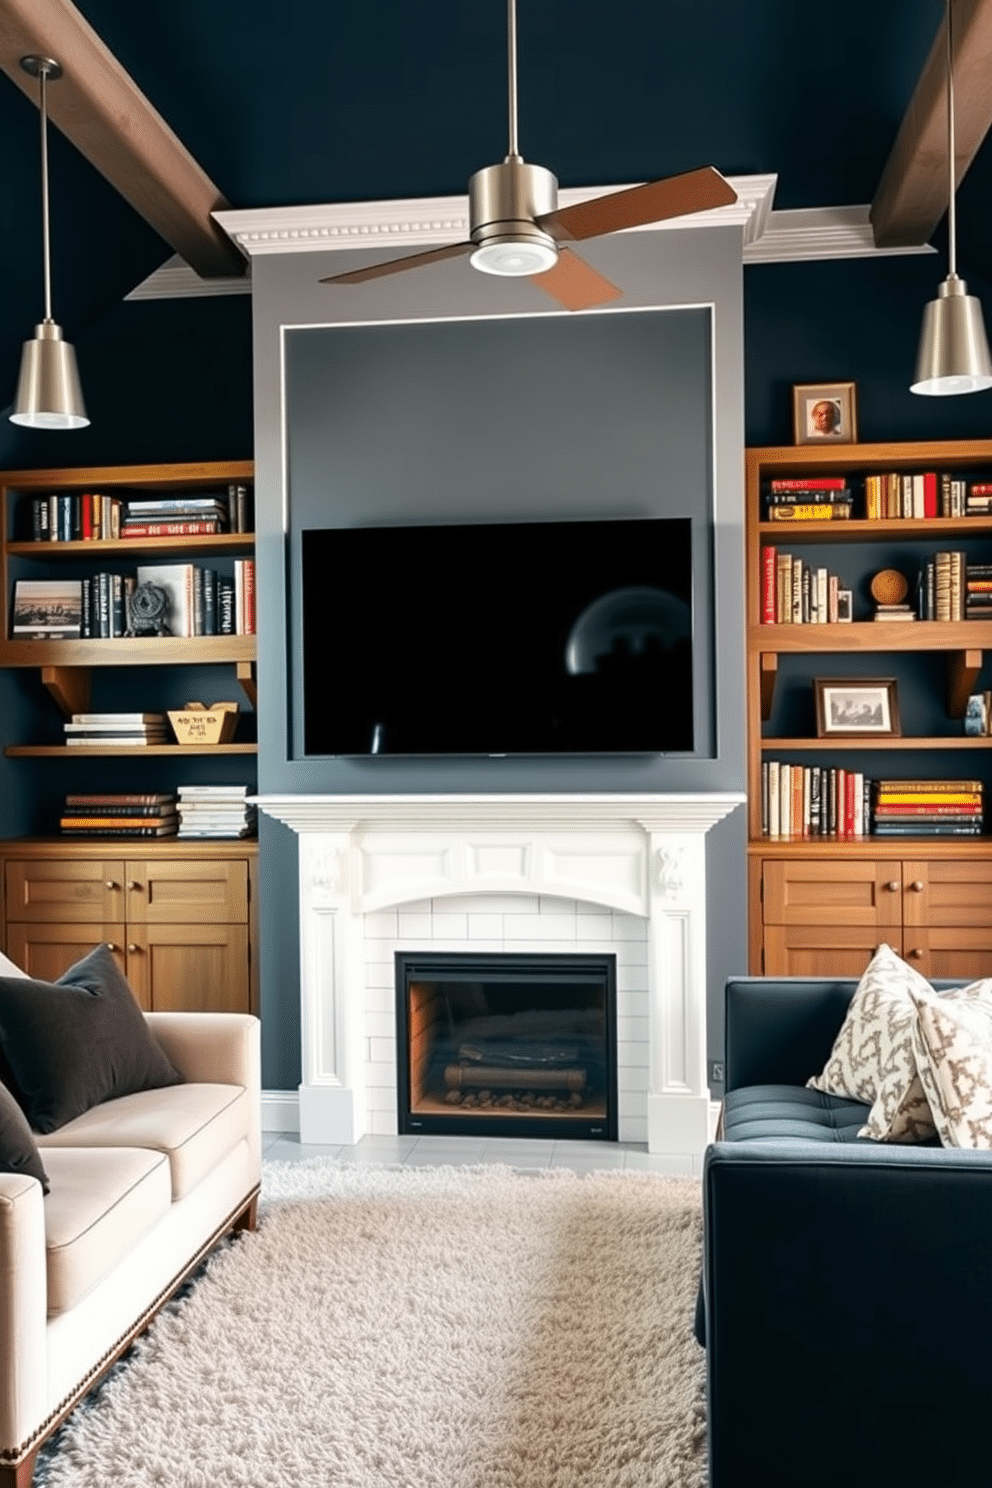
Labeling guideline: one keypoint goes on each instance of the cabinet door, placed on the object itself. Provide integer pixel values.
(850, 894)
(189, 968)
(963, 951)
(947, 891)
(59, 892)
(187, 891)
(821, 950)
(46, 951)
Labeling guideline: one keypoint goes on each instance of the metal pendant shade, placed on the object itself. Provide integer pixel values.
(953, 355)
(49, 395)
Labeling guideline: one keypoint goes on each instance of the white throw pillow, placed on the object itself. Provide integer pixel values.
(952, 1043)
(7, 967)
(872, 1058)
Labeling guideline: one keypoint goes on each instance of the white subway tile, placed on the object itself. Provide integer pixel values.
(632, 1030)
(590, 926)
(449, 926)
(485, 927)
(415, 923)
(539, 927)
(549, 904)
(628, 927)
(631, 1077)
(382, 1051)
(381, 925)
(381, 1024)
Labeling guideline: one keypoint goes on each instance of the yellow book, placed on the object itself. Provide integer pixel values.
(820, 511)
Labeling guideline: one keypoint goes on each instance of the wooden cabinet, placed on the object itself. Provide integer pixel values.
(818, 905)
(181, 917)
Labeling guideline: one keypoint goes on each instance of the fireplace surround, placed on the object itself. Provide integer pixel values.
(368, 865)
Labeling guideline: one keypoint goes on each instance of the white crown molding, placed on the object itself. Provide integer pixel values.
(175, 280)
(439, 219)
(768, 236)
(819, 232)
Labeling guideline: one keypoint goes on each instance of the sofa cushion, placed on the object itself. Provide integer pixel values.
(78, 1041)
(774, 1112)
(952, 1041)
(194, 1125)
(872, 1058)
(102, 1201)
(18, 1148)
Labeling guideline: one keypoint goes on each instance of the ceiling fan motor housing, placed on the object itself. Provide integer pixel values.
(504, 202)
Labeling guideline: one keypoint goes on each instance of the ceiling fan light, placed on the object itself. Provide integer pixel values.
(512, 257)
(953, 354)
(49, 395)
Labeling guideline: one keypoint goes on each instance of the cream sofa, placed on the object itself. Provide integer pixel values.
(141, 1187)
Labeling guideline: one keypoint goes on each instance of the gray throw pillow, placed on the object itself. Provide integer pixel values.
(18, 1148)
(76, 1042)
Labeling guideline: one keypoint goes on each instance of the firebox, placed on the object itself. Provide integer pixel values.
(507, 1045)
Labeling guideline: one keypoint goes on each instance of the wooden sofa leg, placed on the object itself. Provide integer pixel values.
(246, 1220)
(20, 1475)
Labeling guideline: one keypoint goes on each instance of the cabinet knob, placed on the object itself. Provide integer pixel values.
(916, 955)
(109, 884)
(917, 886)
(111, 946)
(133, 884)
(132, 948)
(893, 885)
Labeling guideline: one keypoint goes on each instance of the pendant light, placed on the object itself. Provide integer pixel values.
(953, 356)
(48, 391)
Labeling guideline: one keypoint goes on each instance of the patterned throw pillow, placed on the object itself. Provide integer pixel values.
(872, 1058)
(952, 1042)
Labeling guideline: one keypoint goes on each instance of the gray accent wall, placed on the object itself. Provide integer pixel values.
(442, 395)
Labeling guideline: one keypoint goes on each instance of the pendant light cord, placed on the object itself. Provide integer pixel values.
(952, 256)
(46, 245)
(511, 77)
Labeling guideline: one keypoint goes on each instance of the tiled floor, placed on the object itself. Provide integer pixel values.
(581, 1157)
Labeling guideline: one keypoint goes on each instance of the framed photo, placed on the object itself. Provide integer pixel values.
(824, 413)
(47, 609)
(856, 707)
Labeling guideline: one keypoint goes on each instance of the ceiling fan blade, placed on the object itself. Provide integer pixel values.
(675, 196)
(575, 284)
(397, 265)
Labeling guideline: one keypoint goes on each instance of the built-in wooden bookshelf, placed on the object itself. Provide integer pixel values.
(820, 904)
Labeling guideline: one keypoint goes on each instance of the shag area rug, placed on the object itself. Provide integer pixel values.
(419, 1328)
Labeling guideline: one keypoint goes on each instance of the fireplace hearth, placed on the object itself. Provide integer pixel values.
(507, 1045)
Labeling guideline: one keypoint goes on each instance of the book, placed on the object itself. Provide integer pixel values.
(816, 494)
(47, 609)
(139, 820)
(176, 579)
(163, 830)
(125, 798)
(137, 741)
(917, 785)
(177, 503)
(158, 810)
(169, 529)
(808, 483)
(768, 561)
(810, 512)
(118, 718)
(947, 798)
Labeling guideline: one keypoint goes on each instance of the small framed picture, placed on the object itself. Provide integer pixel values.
(845, 606)
(824, 413)
(852, 707)
(47, 609)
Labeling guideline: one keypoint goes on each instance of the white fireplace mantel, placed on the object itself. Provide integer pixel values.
(642, 855)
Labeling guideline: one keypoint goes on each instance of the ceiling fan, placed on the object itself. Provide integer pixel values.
(516, 227)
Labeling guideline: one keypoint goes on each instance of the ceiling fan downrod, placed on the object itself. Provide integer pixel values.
(506, 199)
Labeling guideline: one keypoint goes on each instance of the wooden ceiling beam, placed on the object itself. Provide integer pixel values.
(97, 106)
(912, 191)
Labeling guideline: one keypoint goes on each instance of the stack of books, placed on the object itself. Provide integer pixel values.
(125, 815)
(813, 801)
(176, 516)
(822, 498)
(978, 591)
(215, 811)
(795, 592)
(927, 808)
(978, 502)
(114, 729)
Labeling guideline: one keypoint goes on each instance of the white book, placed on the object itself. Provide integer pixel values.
(774, 804)
(177, 581)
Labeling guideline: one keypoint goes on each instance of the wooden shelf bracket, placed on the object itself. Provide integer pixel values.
(768, 662)
(69, 686)
(245, 672)
(963, 668)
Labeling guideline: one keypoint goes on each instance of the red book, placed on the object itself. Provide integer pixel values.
(811, 483)
(169, 529)
(980, 488)
(249, 596)
(930, 493)
(849, 803)
(768, 557)
(86, 515)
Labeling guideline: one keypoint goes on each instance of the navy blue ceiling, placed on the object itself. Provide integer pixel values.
(317, 101)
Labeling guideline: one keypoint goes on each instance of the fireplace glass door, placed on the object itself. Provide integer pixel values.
(507, 1045)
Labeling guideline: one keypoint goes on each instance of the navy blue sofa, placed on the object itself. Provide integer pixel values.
(846, 1300)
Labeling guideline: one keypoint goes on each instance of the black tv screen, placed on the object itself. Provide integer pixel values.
(526, 638)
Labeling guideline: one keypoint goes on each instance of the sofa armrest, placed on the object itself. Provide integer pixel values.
(23, 1309)
(211, 1048)
(848, 1290)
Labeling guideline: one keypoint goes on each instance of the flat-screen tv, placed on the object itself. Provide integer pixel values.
(515, 638)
